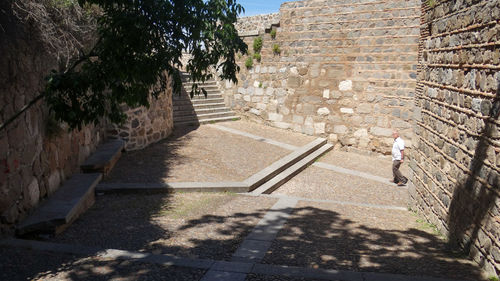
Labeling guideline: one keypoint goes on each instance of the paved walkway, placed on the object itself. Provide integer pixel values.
(339, 219)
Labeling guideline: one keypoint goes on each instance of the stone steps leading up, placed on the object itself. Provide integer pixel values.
(290, 172)
(200, 109)
(284, 163)
(206, 121)
(204, 116)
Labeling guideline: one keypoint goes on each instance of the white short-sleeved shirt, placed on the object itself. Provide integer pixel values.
(398, 145)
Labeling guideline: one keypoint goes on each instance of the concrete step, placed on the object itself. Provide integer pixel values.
(203, 116)
(207, 101)
(190, 107)
(104, 158)
(200, 111)
(284, 163)
(73, 198)
(206, 121)
(289, 173)
(198, 97)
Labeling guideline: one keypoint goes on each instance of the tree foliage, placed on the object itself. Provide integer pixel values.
(138, 41)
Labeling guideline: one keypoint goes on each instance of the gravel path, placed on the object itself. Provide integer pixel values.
(194, 225)
(318, 183)
(285, 136)
(205, 154)
(330, 236)
(378, 165)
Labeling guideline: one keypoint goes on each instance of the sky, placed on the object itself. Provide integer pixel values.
(256, 7)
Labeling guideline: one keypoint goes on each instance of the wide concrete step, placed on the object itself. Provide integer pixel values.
(56, 213)
(203, 116)
(206, 121)
(211, 87)
(284, 163)
(207, 101)
(200, 111)
(198, 97)
(293, 170)
(198, 102)
(104, 158)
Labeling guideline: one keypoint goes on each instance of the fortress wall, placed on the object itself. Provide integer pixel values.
(346, 71)
(456, 165)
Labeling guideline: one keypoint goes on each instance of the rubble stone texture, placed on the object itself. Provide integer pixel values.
(344, 66)
(33, 161)
(145, 126)
(456, 165)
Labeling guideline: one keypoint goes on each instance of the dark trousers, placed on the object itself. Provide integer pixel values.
(398, 177)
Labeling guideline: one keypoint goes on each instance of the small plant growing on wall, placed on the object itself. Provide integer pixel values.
(257, 57)
(273, 33)
(249, 63)
(431, 3)
(257, 44)
(276, 49)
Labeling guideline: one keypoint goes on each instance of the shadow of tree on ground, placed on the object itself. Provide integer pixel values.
(313, 237)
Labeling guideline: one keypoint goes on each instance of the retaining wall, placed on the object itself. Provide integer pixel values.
(456, 166)
(347, 71)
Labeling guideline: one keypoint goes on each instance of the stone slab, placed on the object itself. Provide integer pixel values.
(287, 174)
(64, 206)
(104, 158)
(269, 226)
(252, 250)
(277, 167)
(172, 187)
(241, 267)
(215, 275)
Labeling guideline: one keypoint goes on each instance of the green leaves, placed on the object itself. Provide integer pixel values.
(140, 41)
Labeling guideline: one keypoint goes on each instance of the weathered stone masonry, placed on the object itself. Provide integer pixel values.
(33, 163)
(456, 165)
(347, 71)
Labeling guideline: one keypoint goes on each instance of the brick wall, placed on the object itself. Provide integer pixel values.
(347, 71)
(455, 181)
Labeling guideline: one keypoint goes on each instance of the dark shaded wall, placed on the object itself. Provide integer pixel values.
(32, 163)
(456, 165)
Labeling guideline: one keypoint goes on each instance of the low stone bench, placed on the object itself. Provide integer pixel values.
(73, 198)
(104, 158)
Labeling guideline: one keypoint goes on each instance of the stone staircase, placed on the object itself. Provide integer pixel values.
(200, 109)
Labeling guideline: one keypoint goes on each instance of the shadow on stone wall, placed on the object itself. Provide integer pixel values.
(473, 200)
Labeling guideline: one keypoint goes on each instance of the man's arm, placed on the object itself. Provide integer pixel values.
(402, 155)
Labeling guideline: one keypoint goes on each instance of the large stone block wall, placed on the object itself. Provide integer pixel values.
(33, 161)
(347, 71)
(145, 126)
(456, 166)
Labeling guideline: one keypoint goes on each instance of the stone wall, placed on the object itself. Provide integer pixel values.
(456, 166)
(347, 71)
(248, 26)
(36, 155)
(145, 126)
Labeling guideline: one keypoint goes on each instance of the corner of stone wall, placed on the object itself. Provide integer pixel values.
(145, 126)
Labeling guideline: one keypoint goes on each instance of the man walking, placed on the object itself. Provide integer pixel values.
(397, 159)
